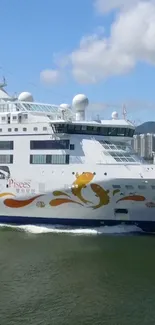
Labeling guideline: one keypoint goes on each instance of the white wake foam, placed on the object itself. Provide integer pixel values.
(120, 229)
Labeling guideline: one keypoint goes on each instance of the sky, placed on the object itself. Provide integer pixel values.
(103, 48)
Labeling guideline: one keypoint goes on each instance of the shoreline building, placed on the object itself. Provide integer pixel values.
(144, 145)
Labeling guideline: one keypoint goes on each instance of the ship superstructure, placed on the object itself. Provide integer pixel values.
(58, 168)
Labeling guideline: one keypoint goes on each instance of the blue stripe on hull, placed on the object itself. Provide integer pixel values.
(148, 226)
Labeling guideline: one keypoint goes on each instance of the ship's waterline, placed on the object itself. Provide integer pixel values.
(146, 226)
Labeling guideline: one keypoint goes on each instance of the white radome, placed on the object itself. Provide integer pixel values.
(80, 102)
(25, 97)
(64, 106)
(114, 115)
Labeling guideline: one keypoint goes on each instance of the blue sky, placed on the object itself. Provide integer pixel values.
(33, 31)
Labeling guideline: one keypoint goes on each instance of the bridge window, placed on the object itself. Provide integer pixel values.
(6, 145)
(113, 132)
(60, 128)
(93, 130)
(129, 133)
(49, 159)
(121, 132)
(49, 144)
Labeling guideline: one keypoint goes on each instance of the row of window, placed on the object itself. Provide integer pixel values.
(123, 157)
(42, 144)
(24, 129)
(39, 159)
(121, 152)
(131, 187)
(93, 130)
(49, 159)
(115, 145)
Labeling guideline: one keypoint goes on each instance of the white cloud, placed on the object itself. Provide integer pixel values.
(104, 6)
(132, 39)
(50, 77)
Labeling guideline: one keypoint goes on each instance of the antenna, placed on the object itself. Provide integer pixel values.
(124, 111)
(3, 84)
(14, 97)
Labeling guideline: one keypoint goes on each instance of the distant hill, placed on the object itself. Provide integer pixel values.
(146, 127)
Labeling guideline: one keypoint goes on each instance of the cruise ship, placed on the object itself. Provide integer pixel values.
(58, 168)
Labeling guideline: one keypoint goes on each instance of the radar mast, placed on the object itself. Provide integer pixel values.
(3, 84)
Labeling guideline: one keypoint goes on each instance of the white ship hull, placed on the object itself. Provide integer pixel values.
(94, 205)
(58, 168)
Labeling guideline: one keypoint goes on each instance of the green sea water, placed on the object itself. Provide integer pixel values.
(72, 278)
